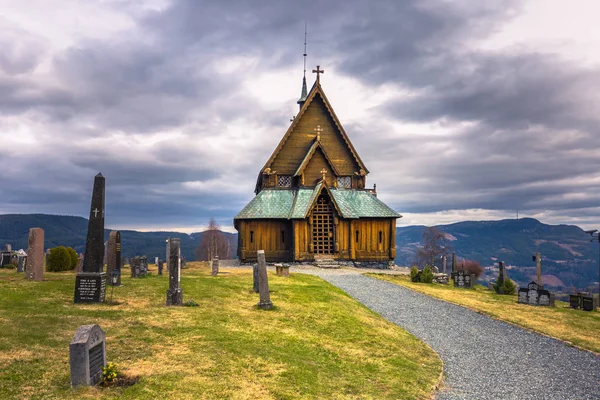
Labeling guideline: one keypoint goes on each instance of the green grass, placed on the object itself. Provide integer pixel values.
(575, 326)
(316, 343)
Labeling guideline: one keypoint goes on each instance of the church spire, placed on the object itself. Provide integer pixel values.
(303, 95)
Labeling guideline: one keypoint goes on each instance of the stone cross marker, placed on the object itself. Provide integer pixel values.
(263, 282)
(113, 265)
(34, 268)
(215, 266)
(175, 293)
(87, 355)
(538, 268)
(90, 285)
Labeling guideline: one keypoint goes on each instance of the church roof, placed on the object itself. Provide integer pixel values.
(296, 204)
(314, 91)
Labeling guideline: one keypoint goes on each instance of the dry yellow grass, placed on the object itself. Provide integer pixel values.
(316, 343)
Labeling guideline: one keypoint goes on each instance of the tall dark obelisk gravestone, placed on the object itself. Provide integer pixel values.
(113, 264)
(90, 285)
(174, 294)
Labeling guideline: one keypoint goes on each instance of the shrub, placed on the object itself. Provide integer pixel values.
(110, 373)
(74, 257)
(414, 274)
(427, 275)
(59, 260)
(10, 266)
(472, 267)
(508, 287)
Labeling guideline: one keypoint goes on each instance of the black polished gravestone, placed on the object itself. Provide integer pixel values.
(463, 279)
(535, 295)
(90, 285)
(4, 258)
(93, 260)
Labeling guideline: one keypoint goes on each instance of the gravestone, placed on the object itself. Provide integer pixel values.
(34, 267)
(255, 277)
(535, 295)
(137, 266)
(215, 266)
(8, 247)
(90, 284)
(87, 355)
(144, 265)
(587, 302)
(80, 263)
(175, 293)
(113, 265)
(21, 262)
(156, 261)
(454, 269)
(441, 278)
(263, 282)
(183, 262)
(160, 267)
(463, 279)
(502, 276)
(282, 270)
(47, 257)
(444, 260)
(4, 258)
(168, 252)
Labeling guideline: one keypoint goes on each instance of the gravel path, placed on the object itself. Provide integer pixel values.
(483, 358)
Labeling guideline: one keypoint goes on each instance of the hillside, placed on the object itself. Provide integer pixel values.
(568, 257)
(63, 230)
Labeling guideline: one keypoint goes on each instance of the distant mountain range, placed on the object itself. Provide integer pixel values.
(568, 257)
(63, 230)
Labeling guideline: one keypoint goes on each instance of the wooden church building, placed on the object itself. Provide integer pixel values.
(311, 198)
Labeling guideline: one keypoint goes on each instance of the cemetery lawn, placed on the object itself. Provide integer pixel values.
(317, 342)
(575, 326)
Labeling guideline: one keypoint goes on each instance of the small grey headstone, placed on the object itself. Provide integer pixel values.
(215, 266)
(263, 282)
(87, 355)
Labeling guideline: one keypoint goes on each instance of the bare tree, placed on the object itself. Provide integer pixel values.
(213, 243)
(434, 247)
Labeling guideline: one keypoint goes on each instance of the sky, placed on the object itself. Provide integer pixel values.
(460, 109)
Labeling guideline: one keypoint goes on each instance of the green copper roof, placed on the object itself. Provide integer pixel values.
(295, 204)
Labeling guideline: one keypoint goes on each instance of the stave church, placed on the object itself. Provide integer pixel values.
(311, 199)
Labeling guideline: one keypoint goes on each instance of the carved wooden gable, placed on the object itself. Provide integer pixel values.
(314, 142)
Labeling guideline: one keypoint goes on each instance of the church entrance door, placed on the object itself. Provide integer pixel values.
(322, 226)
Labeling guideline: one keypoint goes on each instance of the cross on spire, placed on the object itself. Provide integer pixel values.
(318, 129)
(95, 211)
(318, 71)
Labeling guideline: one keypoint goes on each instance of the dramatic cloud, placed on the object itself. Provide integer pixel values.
(458, 111)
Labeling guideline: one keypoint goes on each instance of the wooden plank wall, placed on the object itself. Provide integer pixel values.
(265, 235)
(297, 145)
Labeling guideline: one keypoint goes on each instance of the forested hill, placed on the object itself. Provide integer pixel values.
(63, 230)
(566, 250)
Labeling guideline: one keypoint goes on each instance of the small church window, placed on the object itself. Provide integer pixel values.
(356, 236)
(284, 181)
(251, 236)
(344, 182)
(380, 237)
(282, 236)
